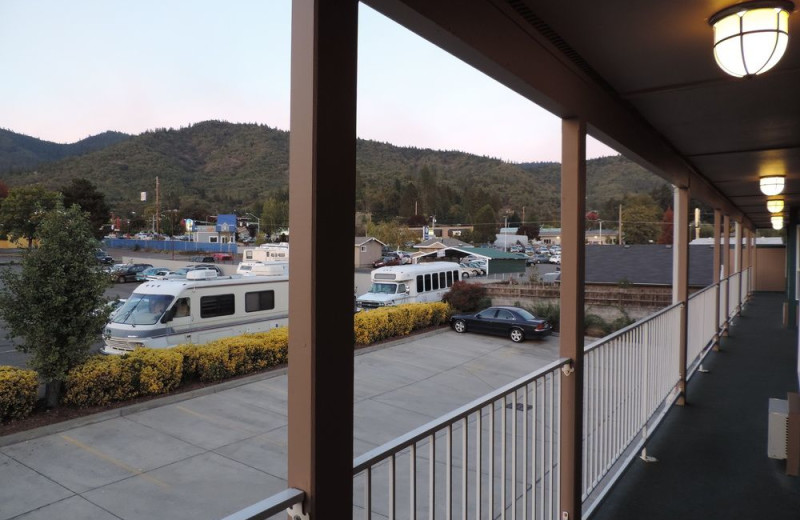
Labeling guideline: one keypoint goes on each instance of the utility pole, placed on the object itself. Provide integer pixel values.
(619, 238)
(158, 210)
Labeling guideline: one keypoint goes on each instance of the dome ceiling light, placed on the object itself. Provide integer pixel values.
(751, 37)
(777, 222)
(775, 205)
(772, 185)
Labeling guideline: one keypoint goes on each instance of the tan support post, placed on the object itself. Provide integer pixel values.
(726, 269)
(321, 206)
(573, 214)
(737, 248)
(680, 279)
(716, 274)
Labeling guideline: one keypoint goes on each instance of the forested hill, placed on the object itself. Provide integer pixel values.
(231, 167)
(20, 152)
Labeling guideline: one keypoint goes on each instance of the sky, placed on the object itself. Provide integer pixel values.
(76, 68)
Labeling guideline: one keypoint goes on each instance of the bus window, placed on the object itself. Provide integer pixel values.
(435, 282)
(449, 278)
(442, 281)
(420, 287)
(427, 282)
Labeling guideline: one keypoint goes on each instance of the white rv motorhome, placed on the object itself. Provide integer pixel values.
(415, 283)
(263, 254)
(201, 308)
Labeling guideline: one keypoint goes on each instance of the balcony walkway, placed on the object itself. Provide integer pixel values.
(712, 453)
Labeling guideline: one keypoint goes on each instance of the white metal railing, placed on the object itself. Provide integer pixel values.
(495, 457)
(629, 375)
(274, 506)
(733, 299)
(701, 328)
(723, 310)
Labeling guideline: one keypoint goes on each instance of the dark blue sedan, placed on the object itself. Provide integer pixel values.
(518, 324)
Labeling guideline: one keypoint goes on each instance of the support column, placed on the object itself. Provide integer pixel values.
(737, 263)
(321, 207)
(791, 267)
(726, 269)
(680, 279)
(716, 274)
(573, 213)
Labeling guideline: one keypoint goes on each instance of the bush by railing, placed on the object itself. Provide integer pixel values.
(18, 390)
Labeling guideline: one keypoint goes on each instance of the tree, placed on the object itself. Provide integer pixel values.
(641, 219)
(23, 209)
(85, 194)
(274, 215)
(485, 226)
(666, 227)
(55, 303)
(391, 234)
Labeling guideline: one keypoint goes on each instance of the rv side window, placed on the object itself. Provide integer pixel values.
(217, 305)
(442, 281)
(182, 308)
(435, 281)
(401, 288)
(420, 286)
(449, 278)
(427, 282)
(259, 301)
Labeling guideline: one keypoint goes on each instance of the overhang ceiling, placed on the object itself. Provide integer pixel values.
(643, 76)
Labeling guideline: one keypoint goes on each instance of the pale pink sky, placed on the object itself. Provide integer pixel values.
(78, 68)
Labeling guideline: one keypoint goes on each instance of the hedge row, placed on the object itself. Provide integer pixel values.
(389, 322)
(18, 392)
(143, 372)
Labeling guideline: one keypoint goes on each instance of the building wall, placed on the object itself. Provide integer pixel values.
(770, 269)
(365, 258)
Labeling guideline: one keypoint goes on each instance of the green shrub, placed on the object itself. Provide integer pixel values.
(387, 322)
(465, 296)
(18, 391)
(596, 326)
(549, 311)
(106, 379)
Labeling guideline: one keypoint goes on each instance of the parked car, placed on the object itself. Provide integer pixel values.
(152, 273)
(514, 322)
(468, 271)
(223, 257)
(128, 272)
(540, 258)
(554, 277)
(203, 259)
(103, 258)
(389, 259)
(181, 273)
(555, 259)
(481, 268)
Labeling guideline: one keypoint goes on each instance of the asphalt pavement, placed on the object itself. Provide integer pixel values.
(208, 454)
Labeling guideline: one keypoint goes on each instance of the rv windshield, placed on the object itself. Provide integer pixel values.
(142, 309)
(383, 288)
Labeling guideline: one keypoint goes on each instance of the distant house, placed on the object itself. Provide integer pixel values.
(367, 250)
(436, 244)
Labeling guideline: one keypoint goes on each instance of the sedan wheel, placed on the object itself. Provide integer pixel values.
(121, 279)
(465, 275)
(460, 326)
(516, 335)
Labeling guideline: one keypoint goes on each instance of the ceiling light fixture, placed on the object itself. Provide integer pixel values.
(775, 205)
(777, 222)
(751, 37)
(772, 185)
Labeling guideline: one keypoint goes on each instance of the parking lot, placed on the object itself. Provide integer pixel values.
(209, 455)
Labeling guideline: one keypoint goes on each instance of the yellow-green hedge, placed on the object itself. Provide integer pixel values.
(387, 322)
(235, 356)
(18, 391)
(105, 379)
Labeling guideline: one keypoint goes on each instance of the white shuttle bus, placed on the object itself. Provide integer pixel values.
(201, 308)
(415, 283)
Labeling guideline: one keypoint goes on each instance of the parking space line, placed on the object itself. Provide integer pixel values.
(115, 462)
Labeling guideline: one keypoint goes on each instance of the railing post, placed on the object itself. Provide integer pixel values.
(680, 279)
(738, 264)
(573, 214)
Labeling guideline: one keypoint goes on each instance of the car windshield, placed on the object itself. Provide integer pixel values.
(383, 288)
(142, 309)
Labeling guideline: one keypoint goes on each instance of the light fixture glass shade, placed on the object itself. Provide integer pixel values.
(775, 205)
(750, 38)
(772, 185)
(777, 222)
